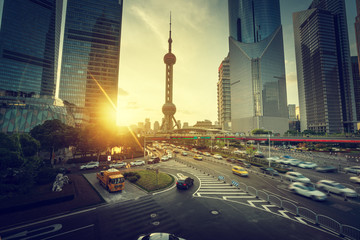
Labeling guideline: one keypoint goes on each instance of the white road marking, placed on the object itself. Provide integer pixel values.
(252, 201)
(267, 207)
(220, 189)
(220, 193)
(300, 220)
(224, 198)
(282, 212)
(199, 194)
(240, 197)
(74, 230)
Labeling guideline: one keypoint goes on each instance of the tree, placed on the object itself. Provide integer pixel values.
(260, 131)
(54, 135)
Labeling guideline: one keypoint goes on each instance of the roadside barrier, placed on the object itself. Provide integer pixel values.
(307, 214)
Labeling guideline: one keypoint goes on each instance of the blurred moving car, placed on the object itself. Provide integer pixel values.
(184, 182)
(270, 171)
(243, 163)
(198, 157)
(307, 191)
(309, 165)
(137, 163)
(89, 165)
(355, 179)
(164, 158)
(295, 162)
(207, 154)
(353, 169)
(326, 169)
(159, 236)
(334, 187)
(239, 171)
(184, 153)
(63, 170)
(296, 177)
(217, 156)
(154, 160)
(118, 165)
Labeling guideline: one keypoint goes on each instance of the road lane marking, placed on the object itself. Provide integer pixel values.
(290, 200)
(240, 197)
(252, 201)
(40, 231)
(266, 207)
(300, 220)
(220, 189)
(282, 212)
(74, 230)
(221, 193)
(47, 220)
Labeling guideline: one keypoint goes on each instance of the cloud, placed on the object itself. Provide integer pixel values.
(122, 92)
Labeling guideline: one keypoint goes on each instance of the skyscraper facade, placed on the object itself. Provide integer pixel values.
(30, 49)
(257, 69)
(356, 79)
(326, 96)
(357, 30)
(90, 60)
(223, 95)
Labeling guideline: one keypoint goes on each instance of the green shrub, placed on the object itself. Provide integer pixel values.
(132, 176)
(46, 175)
(132, 179)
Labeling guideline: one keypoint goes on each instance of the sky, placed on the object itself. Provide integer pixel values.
(200, 42)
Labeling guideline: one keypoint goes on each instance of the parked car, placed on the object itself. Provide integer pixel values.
(326, 169)
(270, 171)
(217, 156)
(307, 191)
(198, 157)
(137, 163)
(309, 165)
(184, 153)
(296, 177)
(239, 171)
(259, 155)
(118, 165)
(295, 162)
(353, 169)
(243, 163)
(164, 158)
(159, 236)
(90, 165)
(285, 168)
(154, 160)
(207, 154)
(355, 179)
(334, 187)
(63, 170)
(184, 182)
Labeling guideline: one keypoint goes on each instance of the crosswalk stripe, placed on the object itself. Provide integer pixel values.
(239, 196)
(221, 193)
(223, 187)
(219, 190)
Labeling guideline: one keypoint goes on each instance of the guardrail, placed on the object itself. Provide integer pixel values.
(322, 221)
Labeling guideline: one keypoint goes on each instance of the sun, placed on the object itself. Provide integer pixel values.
(123, 116)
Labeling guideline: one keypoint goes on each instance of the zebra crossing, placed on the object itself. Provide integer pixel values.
(135, 217)
(212, 187)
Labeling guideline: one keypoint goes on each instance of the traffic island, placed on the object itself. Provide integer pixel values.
(153, 180)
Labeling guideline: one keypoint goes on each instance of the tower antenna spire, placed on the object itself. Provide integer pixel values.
(170, 40)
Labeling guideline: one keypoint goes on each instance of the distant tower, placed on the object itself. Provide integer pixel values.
(169, 109)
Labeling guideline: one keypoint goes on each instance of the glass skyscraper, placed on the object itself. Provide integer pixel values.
(326, 91)
(29, 54)
(257, 68)
(91, 54)
(223, 95)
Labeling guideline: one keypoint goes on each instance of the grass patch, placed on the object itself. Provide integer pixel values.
(150, 182)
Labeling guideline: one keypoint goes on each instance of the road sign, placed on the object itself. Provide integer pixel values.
(109, 158)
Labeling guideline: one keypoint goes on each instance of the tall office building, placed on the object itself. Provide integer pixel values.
(257, 69)
(223, 95)
(292, 112)
(326, 96)
(357, 30)
(29, 46)
(356, 79)
(91, 55)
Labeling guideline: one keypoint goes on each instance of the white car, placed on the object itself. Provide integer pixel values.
(296, 177)
(353, 169)
(295, 162)
(169, 156)
(307, 165)
(334, 187)
(137, 163)
(118, 165)
(307, 191)
(355, 179)
(206, 154)
(89, 165)
(164, 158)
(184, 153)
(286, 161)
(159, 236)
(217, 156)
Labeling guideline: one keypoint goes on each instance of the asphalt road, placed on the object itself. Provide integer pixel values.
(197, 213)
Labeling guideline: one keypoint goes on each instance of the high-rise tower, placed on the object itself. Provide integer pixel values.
(257, 68)
(169, 109)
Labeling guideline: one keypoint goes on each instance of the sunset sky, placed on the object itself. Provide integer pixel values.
(200, 42)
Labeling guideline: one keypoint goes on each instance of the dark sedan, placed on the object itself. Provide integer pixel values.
(326, 169)
(269, 171)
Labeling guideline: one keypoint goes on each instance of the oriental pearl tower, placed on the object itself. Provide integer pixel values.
(169, 109)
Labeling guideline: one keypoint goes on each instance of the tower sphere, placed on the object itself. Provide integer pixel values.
(170, 59)
(169, 109)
